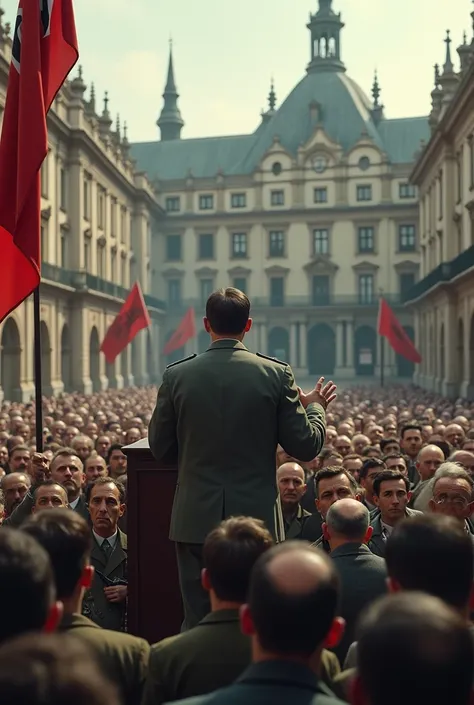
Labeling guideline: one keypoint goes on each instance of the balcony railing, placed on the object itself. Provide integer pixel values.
(59, 275)
(443, 274)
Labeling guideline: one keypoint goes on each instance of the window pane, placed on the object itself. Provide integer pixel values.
(320, 291)
(278, 198)
(173, 248)
(240, 283)
(206, 246)
(366, 288)
(320, 195)
(277, 243)
(206, 289)
(321, 241)
(239, 244)
(366, 239)
(277, 291)
(238, 200)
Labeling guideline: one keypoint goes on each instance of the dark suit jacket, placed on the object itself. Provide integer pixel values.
(272, 682)
(377, 543)
(220, 416)
(363, 579)
(124, 658)
(108, 615)
(23, 511)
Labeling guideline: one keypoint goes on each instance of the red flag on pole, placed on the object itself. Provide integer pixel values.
(184, 332)
(390, 327)
(43, 53)
(132, 318)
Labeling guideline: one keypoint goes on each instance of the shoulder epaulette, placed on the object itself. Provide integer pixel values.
(178, 362)
(273, 359)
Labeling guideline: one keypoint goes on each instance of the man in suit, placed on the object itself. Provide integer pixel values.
(290, 515)
(66, 537)
(220, 417)
(362, 575)
(290, 616)
(66, 469)
(391, 496)
(106, 600)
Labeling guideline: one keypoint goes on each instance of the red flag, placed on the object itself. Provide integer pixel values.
(391, 328)
(184, 332)
(132, 318)
(43, 53)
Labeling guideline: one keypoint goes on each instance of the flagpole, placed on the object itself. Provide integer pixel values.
(37, 369)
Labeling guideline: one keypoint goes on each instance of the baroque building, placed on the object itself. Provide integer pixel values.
(312, 215)
(97, 215)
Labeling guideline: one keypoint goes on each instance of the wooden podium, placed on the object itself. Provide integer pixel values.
(154, 604)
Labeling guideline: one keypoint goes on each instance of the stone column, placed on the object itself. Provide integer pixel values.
(344, 350)
(303, 362)
(263, 338)
(449, 385)
(294, 362)
(340, 344)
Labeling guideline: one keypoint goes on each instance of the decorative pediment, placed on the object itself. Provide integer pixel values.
(206, 272)
(173, 273)
(407, 266)
(321, 264)
(277, 271)
(236, 272)
(365, 267)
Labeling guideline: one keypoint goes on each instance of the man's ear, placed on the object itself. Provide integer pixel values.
(246, 622)
(326, 533)
(248, 325)
(207, 327)
(368, 534)
(205, 580)
(54, 617)
(335, 633)
(87, 575)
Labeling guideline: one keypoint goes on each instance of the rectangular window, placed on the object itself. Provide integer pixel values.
(206, 287)
(277, 243)
(238, 200)
(277, 198)
(63, 258)
(366, 289)
(87, 255)
(113, 266)
(113, 217)
(174, 291)
(239, 244)
(459, 181)
(406, 238)
(173, 248)
(123, 271)
(320, 290)
(277, 291)
(173, 204)
(240, 283)
(321, 241)
(45, 177)
(364, 193)
(123, 224)
(63, 189)
(206, 202)
(406, 190)
(365, 240)
(407, 282)
(44, 243)
(321, 195)
(440, 194)
(87, 183)
(100, 261)
(206, 246)
(101, 207)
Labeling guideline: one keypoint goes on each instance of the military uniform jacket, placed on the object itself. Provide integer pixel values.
(220, 417)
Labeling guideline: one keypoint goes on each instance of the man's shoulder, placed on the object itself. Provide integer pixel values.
(271, 360)
(412, 513)
(84, 628)
(173, 365)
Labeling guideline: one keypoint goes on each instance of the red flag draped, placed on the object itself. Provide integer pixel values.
(184, 332)
(132, 318)
(44, 52)
(391, 328)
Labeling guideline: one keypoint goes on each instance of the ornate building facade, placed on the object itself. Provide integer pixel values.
(312, 215)
(97, 216)
(443, 299)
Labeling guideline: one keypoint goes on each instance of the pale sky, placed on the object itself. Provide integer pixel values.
(225, 54)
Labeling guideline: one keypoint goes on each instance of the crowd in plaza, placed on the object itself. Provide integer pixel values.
(384, 508)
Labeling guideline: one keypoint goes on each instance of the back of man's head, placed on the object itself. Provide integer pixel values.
(230, 552)
(228, 311)
(26, 587)
(66, 538)
(42, 669)
(413, 649)
(347, 521)
(292, 601)
(433, 554)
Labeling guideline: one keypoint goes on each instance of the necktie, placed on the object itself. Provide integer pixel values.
(106, 547)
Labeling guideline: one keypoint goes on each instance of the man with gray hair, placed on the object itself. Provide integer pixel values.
(452, 493)
(362, 575)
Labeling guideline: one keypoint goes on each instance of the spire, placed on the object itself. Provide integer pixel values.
(465, 53)
(325, 28)
(436, 100)
(377, 109)
(105, 121)
(448, 64)
(78, 87)
(117, 128)
(449, 79)
(272, 99)
(170, 121)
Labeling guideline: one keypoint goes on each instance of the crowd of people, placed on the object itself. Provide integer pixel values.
(368, 582)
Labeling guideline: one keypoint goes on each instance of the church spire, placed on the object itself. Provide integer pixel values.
(170, 121)
(325, 28)
(377, 107)
(272, 101)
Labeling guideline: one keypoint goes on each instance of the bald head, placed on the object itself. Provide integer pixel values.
(293, 598)
(464, 458)
(290, 468)
(347, 520)
(429, 459)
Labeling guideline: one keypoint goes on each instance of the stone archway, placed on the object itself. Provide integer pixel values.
(45, 359)
(94, 360)
(11, 361)
(460, 352)
(405, 368)
(365, 344)
(66, 359)
(203, 341)
(279, 344)
(321, 350)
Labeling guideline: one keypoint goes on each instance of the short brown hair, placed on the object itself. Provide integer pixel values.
(230, 552)
(228, 311)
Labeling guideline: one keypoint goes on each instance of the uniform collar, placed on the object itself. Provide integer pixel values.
(220, 616)
(227, 344)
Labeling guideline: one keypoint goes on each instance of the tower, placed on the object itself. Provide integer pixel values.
(325, 30)
(170, 121)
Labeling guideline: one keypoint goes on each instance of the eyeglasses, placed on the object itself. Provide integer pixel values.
(455, 501)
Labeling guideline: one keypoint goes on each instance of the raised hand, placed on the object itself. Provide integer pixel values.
(323, 395)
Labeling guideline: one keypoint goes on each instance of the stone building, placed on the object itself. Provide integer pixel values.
(443, 298)
(312, 215)
(97, 216)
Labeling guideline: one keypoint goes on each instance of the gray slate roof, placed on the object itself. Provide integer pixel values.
(344, 113)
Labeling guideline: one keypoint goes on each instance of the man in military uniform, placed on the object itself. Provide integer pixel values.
(220, 416)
